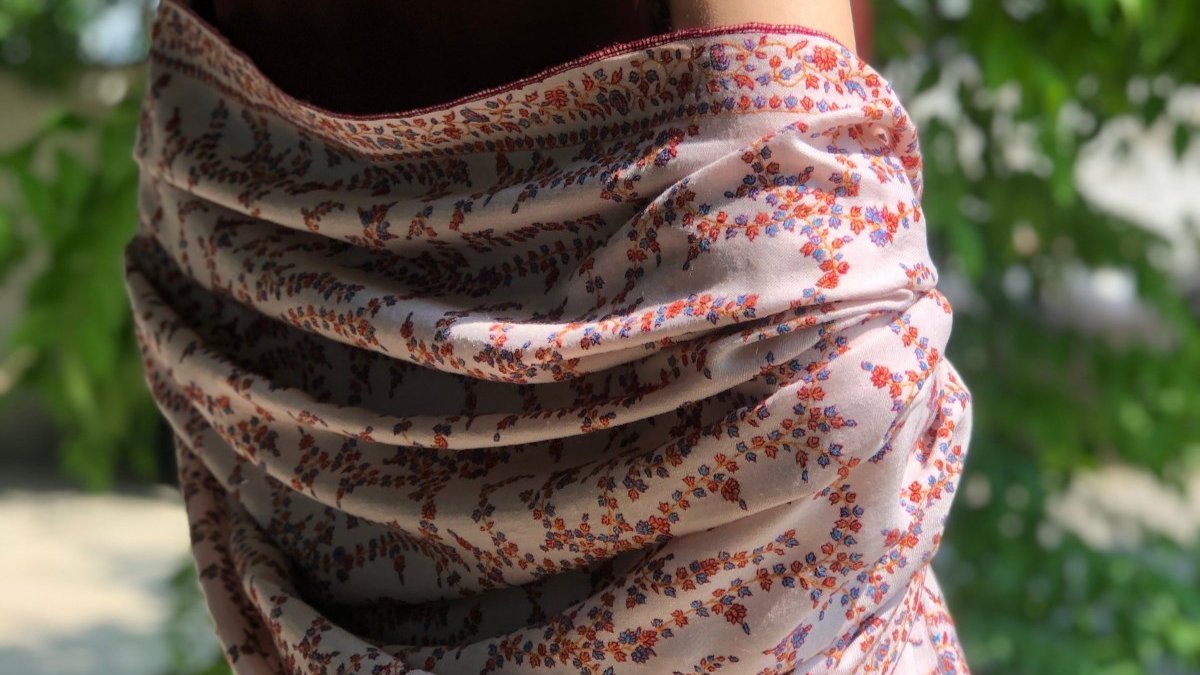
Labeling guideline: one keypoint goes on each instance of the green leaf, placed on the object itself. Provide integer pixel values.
(1181, 138)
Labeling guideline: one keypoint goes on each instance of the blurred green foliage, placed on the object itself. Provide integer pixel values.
(68, 204)
(1050, 400)
(41, 37)
(74, 205)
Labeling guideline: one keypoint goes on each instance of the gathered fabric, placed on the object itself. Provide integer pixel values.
(633, 366)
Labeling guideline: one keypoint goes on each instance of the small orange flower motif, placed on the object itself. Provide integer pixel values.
(825, 58)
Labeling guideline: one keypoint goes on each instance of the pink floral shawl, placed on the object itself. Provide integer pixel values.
(634, 366)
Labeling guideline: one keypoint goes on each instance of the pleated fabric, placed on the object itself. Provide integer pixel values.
(633, 366)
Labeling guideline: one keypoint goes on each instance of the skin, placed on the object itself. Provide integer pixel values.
(830, 16)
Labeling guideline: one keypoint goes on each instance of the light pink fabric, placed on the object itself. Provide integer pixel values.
(631, 367)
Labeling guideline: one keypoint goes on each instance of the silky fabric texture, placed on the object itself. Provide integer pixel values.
(634, 366)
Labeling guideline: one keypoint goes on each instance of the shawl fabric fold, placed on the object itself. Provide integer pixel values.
(635, 366)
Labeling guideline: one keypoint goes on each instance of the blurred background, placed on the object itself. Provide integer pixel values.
(1062, 148)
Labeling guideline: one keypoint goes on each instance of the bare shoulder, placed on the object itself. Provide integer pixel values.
(830, 16)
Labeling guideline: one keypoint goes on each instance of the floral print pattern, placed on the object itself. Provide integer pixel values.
(634, 366)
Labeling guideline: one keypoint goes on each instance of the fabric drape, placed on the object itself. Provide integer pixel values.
(633, 366)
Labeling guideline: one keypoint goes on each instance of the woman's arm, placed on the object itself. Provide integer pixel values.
(830, 16)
